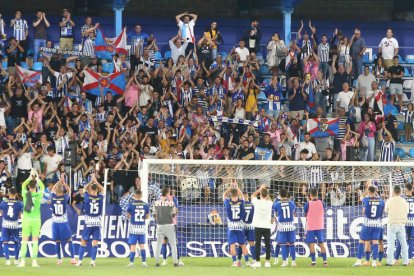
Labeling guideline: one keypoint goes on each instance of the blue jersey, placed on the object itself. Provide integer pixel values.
(373, 211)
(285, 210)
(235, 213)
(59, 207)
(410, 216)
(248, 212)
(92, 208)
(138, 210)
(11, 211)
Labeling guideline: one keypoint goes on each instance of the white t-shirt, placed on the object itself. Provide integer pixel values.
(24, 161)
(364, 83)
(2, 120)
(243, 53)
(262, 217)
(387, 46)
(344, 98)
(187, 30)
(309, 146)
(52, 163)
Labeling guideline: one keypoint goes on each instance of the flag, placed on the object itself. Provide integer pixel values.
(105, 48)
(117, 67)
(114, 83)
(323, 127)
(311, 99)
(28, 77)
(263, 153)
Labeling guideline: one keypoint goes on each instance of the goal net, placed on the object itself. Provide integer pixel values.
(199, 185)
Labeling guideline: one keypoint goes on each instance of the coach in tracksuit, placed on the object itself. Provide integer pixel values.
(164, 213)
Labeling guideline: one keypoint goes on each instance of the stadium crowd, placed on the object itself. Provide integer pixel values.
(197, 104)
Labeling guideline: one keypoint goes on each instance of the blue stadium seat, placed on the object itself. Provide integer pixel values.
(37, 66)
(4, 64)
(24, 65)
(223, 54)
(355, 83)
(411, 152)
(407, 72)
(167, 54)
(400, 152)
(264, 69)
(409, 58)
(400, 59)
(266, 81)
(157, 56)
(365, 57)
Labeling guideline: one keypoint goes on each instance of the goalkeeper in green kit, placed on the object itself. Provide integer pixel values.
(32, 192)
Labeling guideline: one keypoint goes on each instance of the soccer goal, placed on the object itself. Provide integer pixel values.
(199, 185)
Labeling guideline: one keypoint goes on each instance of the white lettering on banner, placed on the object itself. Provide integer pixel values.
(103, 251)
(213, 246)
(329, 224)
(115, 251)
(202, 253)
(341, 222)
(43, 252)
(355, 227)
(224, 249)
(334, 249)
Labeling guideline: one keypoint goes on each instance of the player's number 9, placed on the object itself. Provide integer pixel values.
(411, 208)
(373, 210)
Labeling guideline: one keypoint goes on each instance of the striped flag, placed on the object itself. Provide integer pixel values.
(28, 77)
(105, 48)
(114, 83)
(323, 127)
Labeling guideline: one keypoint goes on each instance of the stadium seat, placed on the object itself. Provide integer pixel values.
(407, 84)
(157, 56)
(355, 83)
(37, 66)
(24, 65)
(400, 152)
(266, 81)
(223, 54)
(411, 152)
(409, 58)
(167, 54)
(259, 56)
(407, 72)
(264, 69)
(365, 58)
(400, 59)
(4, 64)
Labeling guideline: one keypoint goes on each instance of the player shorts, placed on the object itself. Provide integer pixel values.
(133, 239)
(410, 232)
(236, 236)
(286, 237)
(94, 232)
(31, 227)
(315, 236)
(381, 238)
(370, 233)
(61, 231)
(249, 233)
(8, 235)
(396, 88)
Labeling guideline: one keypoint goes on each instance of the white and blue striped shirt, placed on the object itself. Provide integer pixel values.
(19, 29)
(387, 151)
(88, 47)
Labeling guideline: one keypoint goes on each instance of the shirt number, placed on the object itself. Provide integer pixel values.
(94, 210)
(411, 208)
(235, 211)
(139, 215)
(286, 211)
(58, 209)
(373, 211)
(10, 212)
(247, 214)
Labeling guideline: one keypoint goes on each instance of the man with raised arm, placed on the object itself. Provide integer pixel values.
(92, 208)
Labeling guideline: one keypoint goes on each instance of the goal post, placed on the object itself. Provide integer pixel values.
(199, 184)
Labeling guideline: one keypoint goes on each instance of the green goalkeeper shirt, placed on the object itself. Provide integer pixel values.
(36, 197)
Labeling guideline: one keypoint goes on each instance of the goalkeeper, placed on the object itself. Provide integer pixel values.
(32, 192)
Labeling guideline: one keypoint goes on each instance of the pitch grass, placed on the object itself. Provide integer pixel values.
(196, 267)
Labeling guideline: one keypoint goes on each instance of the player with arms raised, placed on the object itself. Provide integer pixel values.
(11, 212)
(371, 231)
(32, 192)
(315, 226)
(92, 208)
(234, 207)
(138, 213)
(248, 228)
(60, 228)
(284, 210)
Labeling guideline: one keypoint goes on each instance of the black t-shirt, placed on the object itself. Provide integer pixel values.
(109, 105)
(151, 132)
(71, 116)
(104, 131)
(18, 106)
(51, 132)
(339, 80)
(78, 199)
(13, 58)
(397, 70)
(389, 124)
(245, 154)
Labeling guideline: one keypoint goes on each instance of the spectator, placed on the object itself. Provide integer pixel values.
(276, 51)
(388, 48)
(341, 76)
(66, 31)
(253, 35)
(177, 49)
(20, 32)
(137, 40)
(395, 73)
(358, 47)
(365, 81)
(186, 28)
(337, 197)
(323, 54)
(274, 97)
(40, 24)
(367, 132)
(88, 32)
(2, 34)
(215, 36)
(242, 52)
(304, 42)
(297, 98)
(320, 87)
(345, 98)
(308, 146)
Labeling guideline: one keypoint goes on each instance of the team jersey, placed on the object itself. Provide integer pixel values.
(138, 210)
(374, 209)
(285, 210)
(92, 208)
(248, 215)
(235, 213)
(410, 216)
(59, 207)
(36, 198)
(11, 211)
(315, 214)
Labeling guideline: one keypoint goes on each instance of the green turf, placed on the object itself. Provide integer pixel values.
(196, 267)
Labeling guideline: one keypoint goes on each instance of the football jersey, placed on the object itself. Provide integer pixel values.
(59, 207)
(138, 210)
(374, 209)
(235, 213)
(11, 211)
(92, 208)
(410, 216)
(285, 210)
(248, 214)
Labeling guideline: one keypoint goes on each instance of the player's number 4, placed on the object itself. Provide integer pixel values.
(10, 212)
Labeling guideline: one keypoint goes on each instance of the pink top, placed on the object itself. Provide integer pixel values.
(348, 143)
(315, 215)
(38, 117)
(312, 69)
(275, 137)
(368, 131)
(131, 95)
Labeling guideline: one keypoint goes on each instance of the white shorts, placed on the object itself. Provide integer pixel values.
(396, 88)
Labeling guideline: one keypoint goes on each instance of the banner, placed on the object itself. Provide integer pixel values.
(105, 48)
(323, 127)
(221, 119)
(28, 77)
(263, 153)
(197, 237)
(58, 51)
(114, 83)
